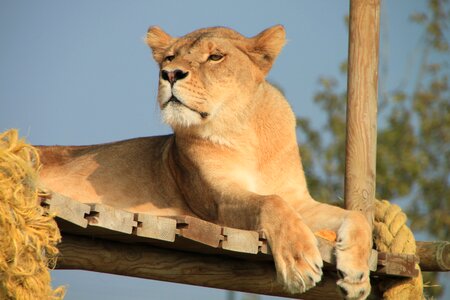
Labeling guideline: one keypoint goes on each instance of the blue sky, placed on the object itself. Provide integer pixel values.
(78, 72)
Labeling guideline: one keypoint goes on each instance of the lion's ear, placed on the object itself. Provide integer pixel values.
(265, 47)
(158, 41)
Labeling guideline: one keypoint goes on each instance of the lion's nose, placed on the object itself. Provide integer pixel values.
(173, 76)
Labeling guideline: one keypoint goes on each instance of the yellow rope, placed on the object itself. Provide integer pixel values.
(393, 235)
(28, 238)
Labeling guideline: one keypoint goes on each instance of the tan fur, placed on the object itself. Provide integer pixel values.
(233, 159)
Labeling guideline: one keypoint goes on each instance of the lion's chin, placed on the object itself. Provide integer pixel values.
(176, 115)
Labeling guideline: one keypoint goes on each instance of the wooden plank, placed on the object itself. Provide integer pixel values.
(113, 220)
(198, 230)
(395, 264)
(373, 260)
(243, 241)
(65, 208)
(362, 89)
(264, 244)
(327, 250)
(214, 271)
(155, 227)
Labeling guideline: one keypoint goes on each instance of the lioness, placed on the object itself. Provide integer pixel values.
(233, 158)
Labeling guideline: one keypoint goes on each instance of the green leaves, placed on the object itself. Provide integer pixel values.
(413, 149)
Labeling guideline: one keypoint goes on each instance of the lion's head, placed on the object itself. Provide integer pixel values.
(210, 75)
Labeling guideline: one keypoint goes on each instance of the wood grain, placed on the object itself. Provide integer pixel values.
(112, 219)
(237, 240)
(198, 230)
(72, 212)
(182, 267)
(434, 256)
(155, 227)
(362, 88)
(397, 264)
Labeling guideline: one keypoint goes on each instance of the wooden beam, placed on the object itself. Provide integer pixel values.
(362, 96)
(211, 270)
(434, 256)
(143, 261)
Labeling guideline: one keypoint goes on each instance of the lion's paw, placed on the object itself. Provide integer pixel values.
(353, 249)
(352, 289)
(298, 261)
(353, 272)
(354, 281)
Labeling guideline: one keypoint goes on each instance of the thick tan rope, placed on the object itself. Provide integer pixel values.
(28, 237)
(392, 235)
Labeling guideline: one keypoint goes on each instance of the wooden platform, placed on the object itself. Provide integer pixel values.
(185, 237)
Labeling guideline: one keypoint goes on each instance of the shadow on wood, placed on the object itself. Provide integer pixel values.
(182, 267)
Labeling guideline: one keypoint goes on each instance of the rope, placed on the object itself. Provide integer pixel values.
(392, 235)
(28, 238)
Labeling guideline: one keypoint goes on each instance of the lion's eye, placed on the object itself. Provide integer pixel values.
(215, 57)
(169, 58)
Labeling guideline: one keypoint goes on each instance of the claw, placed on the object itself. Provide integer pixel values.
(343, 291)
(341, 274)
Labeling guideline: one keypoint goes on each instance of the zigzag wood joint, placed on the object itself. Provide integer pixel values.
(216, 254)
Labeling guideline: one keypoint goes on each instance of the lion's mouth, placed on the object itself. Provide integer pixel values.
(175, 101)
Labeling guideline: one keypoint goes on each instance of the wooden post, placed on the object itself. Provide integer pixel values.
(362, 106)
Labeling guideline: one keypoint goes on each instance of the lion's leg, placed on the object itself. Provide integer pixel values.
(353, 246)
(293, 244)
